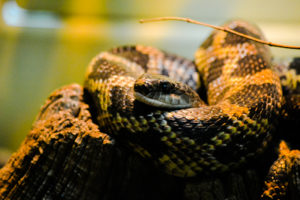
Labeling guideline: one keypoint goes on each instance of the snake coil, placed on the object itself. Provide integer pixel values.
(163, 119)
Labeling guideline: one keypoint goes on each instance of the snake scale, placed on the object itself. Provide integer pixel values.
(163, 119)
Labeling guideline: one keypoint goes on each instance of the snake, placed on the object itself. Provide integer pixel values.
(151, 101)
(192, 118)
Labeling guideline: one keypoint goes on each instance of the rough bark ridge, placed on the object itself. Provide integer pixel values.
(65, 156)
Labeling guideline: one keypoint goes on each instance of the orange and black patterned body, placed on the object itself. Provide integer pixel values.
(282, 181)
(243, 94)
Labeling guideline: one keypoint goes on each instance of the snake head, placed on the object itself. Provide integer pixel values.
(161, 91)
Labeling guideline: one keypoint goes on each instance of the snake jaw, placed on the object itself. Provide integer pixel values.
(171, 101)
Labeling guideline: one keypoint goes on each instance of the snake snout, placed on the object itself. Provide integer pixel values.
(163, 92)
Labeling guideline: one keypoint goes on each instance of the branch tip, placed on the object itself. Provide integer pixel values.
(221, 28)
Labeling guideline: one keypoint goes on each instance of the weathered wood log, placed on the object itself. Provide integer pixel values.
(65, 156)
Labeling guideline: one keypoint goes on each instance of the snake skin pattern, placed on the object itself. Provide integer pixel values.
(243, 100)
(282, 174)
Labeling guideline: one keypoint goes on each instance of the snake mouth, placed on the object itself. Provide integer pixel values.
(160, 100)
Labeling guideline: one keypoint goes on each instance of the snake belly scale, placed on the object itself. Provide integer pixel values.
(243, 100)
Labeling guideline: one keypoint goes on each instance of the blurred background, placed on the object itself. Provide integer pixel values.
(47, 44)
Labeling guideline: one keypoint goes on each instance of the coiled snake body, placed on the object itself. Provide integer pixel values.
(165, 120)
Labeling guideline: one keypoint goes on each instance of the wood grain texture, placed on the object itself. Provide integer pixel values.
(65, 156)
(52, 162)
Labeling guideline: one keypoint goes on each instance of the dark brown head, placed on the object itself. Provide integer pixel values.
(163, 92)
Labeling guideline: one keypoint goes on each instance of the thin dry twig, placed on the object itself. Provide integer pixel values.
(221, 28)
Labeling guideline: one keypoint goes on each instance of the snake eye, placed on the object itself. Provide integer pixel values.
(165, 86)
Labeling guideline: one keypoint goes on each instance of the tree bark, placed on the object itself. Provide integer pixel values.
(65, 156)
